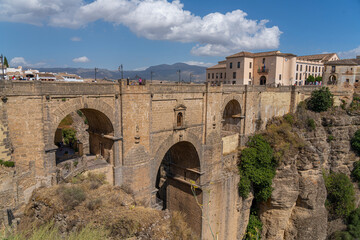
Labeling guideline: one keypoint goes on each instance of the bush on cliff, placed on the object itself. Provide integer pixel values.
(321, 100)
(257, 169)
(340, 195)
(254, 228)
(353, 227)
(355, 142)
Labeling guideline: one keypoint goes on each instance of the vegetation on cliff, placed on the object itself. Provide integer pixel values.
(86, 204)
(321, 100)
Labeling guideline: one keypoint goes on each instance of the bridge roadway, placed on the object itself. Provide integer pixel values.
(159, 139)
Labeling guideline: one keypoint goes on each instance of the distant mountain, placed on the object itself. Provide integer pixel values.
(160, 72)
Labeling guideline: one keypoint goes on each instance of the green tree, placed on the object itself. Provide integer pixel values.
(257, 169)
(318, 79)
(321, 100)
(310, 78)
(340, 194)
(355, 142)
(6, 64)
(69, 135)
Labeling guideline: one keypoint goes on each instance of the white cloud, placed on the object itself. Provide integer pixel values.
(81, 59)
(202, 64)
(213, 34)
(140, 69)
(20, 61)
(350, 54)
(75, 39)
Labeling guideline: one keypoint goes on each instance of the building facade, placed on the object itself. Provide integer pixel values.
(311, 65)
(342, 72)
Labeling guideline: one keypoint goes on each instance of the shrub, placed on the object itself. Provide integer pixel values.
(67, 121)
(69, 135)
(289, 118)
(254, 228)
(355, 174)
(355, 142)
(340, 194)
(311, 124)
(330, 138)
(7, 163)
(321, 100)
(79, 113)
(71, 196)
(94, 204)
(257, 168)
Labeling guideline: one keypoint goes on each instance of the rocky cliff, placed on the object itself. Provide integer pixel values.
(296, 209)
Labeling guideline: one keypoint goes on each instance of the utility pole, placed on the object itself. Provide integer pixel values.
(179, 72)
(121, 70)
(151, 75)
(2, 67)
(95, 73)
(191, 76)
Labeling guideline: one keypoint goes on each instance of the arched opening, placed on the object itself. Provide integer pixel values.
(262, 80)
(332, 80)
(179, 120)
(84, 138)
(178, 181)
(232, 117)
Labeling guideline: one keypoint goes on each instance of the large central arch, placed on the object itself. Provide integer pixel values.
(178, 183)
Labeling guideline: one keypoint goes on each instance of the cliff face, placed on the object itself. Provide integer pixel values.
(296, 209)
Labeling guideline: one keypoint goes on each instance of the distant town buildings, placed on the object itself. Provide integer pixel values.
(268, 68)
(342, 72)
(31, 75)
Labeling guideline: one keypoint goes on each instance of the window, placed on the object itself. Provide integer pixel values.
(313, 68)
(279, 76)
(316, 69)
(208, 75)
(249, 75)
(250, 63)
(297, 67)
(263, 60)
(230, 65)
(333, 68)
(220, 75)
(300, 68)
(179, 119)
(234, 82)
(300, 76)
(234, 75)
(217, 75)
(306, 68)
(347, 80)
(296, 76)
(224, 75)
(238, 65)
(212, 75)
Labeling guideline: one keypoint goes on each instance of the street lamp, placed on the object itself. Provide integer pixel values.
(121, 70)
(191, 76)
(96, 69)
(179, 72)
(151, 75)
(2, 67)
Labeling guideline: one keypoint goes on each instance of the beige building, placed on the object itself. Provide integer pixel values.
(342, 72)
(246, 68)
(311, 65)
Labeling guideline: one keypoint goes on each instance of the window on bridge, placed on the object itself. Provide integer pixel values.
(179, 170)
(231, 118)
(85, 140)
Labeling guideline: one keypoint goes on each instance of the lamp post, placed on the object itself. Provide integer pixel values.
(121, 70)
(95, 73)
(191, 76)
(151, 75)
(2, 66)
(179, 72)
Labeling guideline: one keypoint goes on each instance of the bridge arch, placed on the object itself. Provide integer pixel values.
(99, 117)
(177, 168)
(231, 114)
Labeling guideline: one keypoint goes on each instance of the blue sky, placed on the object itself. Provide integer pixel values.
(142, 33)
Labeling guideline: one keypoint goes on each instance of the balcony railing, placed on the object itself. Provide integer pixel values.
(263, 70)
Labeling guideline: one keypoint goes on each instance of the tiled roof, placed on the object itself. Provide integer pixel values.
(317, 57)
(218, 66)
(261, 54)
(46, 75)
(353, 62)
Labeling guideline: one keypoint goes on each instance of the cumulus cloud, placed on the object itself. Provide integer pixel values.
(350, 54)
(213, 34)
(20, 61)
(202, 64)
(81, 59)
(75, 39)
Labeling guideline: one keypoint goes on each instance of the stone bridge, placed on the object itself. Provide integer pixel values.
(158, 140)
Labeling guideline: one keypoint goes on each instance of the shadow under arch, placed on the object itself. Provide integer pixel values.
(176, 177)
(231, 117)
